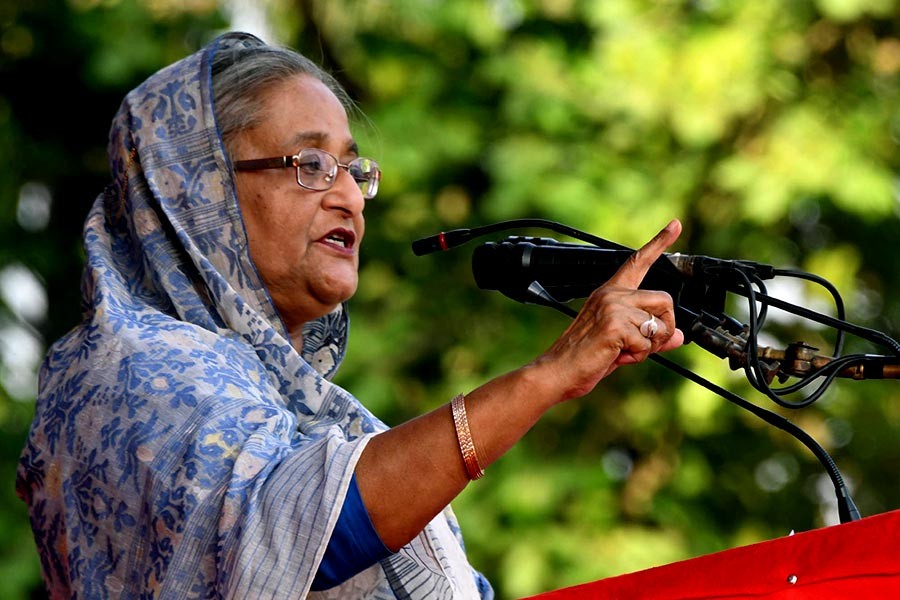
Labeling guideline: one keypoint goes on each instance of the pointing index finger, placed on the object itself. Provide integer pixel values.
(635, 268)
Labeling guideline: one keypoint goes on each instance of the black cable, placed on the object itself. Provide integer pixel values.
(847, 510)
(457, 237)
(872, 335)
(835, 295)
(753, 367)
(754, 370)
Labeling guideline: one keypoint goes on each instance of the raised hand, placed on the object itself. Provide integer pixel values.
(619, 324)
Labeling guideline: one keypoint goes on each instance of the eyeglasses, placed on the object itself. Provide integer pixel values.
(317, 170)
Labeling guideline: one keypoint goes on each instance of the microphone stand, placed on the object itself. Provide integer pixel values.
(847, 510)
(741, 348)
(762, 365)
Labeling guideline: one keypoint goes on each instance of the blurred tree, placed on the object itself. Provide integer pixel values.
(770, 129)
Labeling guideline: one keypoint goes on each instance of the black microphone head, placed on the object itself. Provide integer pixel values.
(565, 271)
(569, 271)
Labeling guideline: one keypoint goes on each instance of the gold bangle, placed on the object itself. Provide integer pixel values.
(466, 445)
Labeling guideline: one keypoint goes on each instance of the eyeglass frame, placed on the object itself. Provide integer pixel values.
(293, 161)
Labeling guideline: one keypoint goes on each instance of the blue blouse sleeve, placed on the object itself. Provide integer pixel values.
(354, 545)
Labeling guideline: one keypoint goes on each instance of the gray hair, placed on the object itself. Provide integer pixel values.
(241, 75)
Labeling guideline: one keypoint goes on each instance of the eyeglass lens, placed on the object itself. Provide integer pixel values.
(317, 170)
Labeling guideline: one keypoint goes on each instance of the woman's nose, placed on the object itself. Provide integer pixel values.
(345, 193)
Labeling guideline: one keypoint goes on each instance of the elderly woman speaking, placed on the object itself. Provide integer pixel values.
(188, 441)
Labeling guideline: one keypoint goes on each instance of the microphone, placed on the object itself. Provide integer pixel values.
(583, 268)
(697, 265)
(567, 271)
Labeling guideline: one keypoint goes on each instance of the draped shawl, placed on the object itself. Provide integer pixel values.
(181, 447)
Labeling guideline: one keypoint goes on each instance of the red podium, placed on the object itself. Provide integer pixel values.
(857, 560)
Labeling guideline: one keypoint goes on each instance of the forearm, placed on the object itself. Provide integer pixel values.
(409, 473)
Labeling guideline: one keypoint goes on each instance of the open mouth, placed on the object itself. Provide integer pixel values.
(340, 237)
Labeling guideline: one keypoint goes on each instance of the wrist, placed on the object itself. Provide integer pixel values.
(540, 382)
(560, 381)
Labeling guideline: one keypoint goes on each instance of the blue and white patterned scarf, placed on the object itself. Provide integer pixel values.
(181, 448)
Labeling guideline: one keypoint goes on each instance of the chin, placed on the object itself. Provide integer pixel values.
(339, 293)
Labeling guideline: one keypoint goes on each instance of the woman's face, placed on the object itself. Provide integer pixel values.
(304, 243)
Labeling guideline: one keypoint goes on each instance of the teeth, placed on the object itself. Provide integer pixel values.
(337, 239)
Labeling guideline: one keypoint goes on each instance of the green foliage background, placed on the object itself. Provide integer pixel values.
(769, 128)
